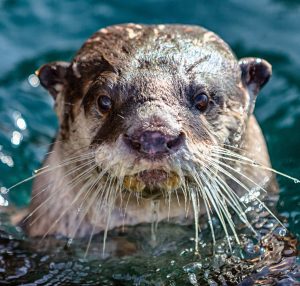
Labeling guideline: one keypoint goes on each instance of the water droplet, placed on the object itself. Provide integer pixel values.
(183, 252)
(70, 241)
(33, 80)
(16, 138)
(7, 160)
(237, 136)
(296, 181)
(52, 265)
(21, 123)
(282, 232)
(249, 247)
(193, 279)
(249, 209)
(19, 120)
(4, 190)
(219, 249)
(192, 267)
(172, 262)
(3, 202)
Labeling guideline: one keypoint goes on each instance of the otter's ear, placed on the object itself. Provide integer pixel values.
(52, 76)
(255, 74)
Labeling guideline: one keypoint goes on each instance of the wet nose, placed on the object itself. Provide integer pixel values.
(155, 143)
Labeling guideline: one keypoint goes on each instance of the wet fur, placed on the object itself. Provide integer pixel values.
(152, 73)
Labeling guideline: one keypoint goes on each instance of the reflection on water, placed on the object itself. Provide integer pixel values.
(131, 258)
(35, 32)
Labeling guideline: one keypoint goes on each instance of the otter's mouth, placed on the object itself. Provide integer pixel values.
(152, 182)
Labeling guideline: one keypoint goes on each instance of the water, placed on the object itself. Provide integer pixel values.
(35, 32)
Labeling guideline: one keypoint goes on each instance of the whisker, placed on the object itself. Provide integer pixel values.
(54, 193)
(45, 170)
(247, 189)
(248, 161)
(196, 208)
(69, 184)
(110, 201)
(94, 225)
(85, 198)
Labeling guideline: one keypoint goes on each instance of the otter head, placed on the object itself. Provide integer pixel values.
(151, 103)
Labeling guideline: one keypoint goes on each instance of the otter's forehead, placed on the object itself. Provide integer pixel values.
(174, 47)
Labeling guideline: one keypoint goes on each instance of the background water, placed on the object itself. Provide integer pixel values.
(35, 32)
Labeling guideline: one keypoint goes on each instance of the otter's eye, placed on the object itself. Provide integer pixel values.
(104, 103)
(201, 101)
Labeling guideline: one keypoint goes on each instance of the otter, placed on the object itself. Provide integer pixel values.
(151, 117)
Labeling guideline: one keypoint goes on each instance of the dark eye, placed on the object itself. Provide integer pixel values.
(201, 101)
(104, 103)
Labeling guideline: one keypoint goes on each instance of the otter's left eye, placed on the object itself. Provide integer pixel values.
(201, 101)
(104, 103)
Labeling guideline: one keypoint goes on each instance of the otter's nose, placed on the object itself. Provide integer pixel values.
(154, 143)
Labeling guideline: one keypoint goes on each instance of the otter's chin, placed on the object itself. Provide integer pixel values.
(152, 183)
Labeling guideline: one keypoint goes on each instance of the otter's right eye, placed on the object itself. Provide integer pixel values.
(201, 101)
(104, 103)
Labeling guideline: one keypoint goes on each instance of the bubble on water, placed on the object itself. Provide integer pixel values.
(33, 80)
(3, 201)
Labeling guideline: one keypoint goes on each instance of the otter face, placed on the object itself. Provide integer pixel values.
(152, 103)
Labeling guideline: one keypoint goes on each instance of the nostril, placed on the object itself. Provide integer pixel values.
(176, 143)
(136, 145)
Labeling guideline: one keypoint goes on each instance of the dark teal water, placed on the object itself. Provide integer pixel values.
(35, 32)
